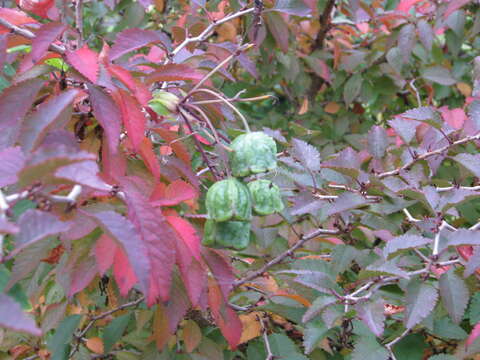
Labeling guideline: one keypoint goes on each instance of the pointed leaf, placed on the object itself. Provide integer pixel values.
(377, 141)
(187, 233)
(439, 74)
(105, 249)
(12, 162)
(373, 315)
(406, 41)
(455, 295)
(174, 72)
(368, 348)
(85, 61)
(405, 242)
(12, 317)
(425, 33)
(83, 173)
(123, 272)
(36, 126)
(314, 332)
(420, 300)
(473, 335)
(133, 118)
(59, 343)
(344, 202)
(292, 7)
(470, 162)
(318, 305)
(149, 157)
(307, 154)
(175, 193)
(279, 29)
(16, 101)
(114, 331)
(352, 88)
(137, 88)
(463, 237)
(133, 39)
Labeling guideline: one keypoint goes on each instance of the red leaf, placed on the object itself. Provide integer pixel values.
(14, 318)
(38, 7)
(36, 125)
(473, 335)
(83, 173)
(174, 72)
(455, 117)
(187, 233)
(14, 17)
(178, 148)
(158, 238)
(7, 227)
(146, 151)
(133, 117)
(3, 48)
(40, 44)
(177, 309)
(226, 319)
(138, 89)
(174, 194)
(221, 270)
(279, 29)
(16, 101)
(406, 5)
(132, 39)
(123, 272)
(124, 232)
(107, 114)
(104, 250)
(453, 6)
(85, 61)
(12, 162)
(81, 274)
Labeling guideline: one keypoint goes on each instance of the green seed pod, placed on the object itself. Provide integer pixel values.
(227, 235)
(253, 153)
(229, 199)
(266, 197)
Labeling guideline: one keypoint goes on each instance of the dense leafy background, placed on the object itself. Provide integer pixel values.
(375, 106)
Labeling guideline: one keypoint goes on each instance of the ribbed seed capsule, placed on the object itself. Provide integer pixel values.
(226, 235)
(229, 199)
(253, 153)
(266, 197)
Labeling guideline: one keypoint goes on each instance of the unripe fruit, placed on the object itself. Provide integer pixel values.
(253, 153)
(227, 235)
(266, 197)
(164, 102)
(229, 199)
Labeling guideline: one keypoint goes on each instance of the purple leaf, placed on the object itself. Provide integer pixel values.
(13, 317)
(425, 33)
(35, 126)
(377, 141)
(405, 242)
(421, 298)
(346, 201)
(12, 162)
(3, 49)
(133, 39)
(352, 88)
(346, 162)
(470, 162)
(307, 154)
(292, 7)
(158, 238)
(108, 115)
(123, 231)
(373, 315)
(463, 237)
(473, 263)
(386, 267)
(454, 294)
(83, 173)
(16, 101)
(420, 113)
(404, 128)
(7, 227)
(406, 41)
(40, 44)
(36, 225)
(439, 74)
(43, 162)
(279, 29)
(174, 72)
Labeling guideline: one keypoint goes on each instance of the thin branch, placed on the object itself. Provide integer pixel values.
(410, 217)
(207, 32)
(282, 256)
(233, 99)
(29, 35)
(226, 102)
(394, 341)
(79, 20)
(436, 241)
(427, 155)
(218, 67)
(270, 355)
(412, 85)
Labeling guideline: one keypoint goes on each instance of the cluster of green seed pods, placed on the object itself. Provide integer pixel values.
(230, 202)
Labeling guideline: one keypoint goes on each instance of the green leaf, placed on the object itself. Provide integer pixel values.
(317, 307)
(469, 162)
(454, 294)
(59, 343)
(352, 88)
(114, 331)
(445, 328)
(283, 347)
(373, 315)
(442, 357)
(314, 332)
(405, 242)
(369, 348)
(474, 309)
(292, 7)
(440, 75)
(410, 347)
(377, 141)
(420, 300)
